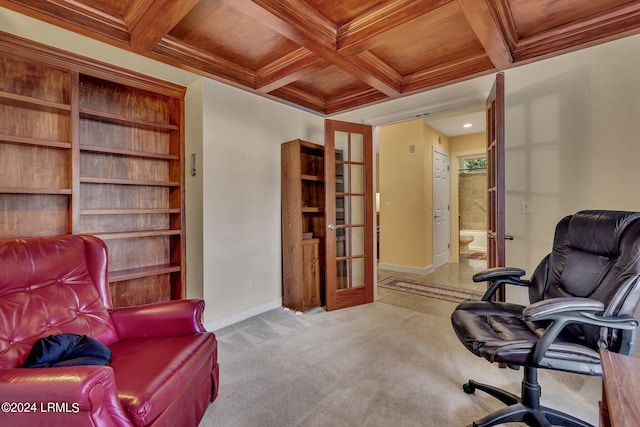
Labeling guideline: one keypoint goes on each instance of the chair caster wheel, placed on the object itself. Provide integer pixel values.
(468, 388)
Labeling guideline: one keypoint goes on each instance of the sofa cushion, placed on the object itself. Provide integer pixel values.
(149, 372)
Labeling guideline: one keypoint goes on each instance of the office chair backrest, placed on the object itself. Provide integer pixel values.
(596, 254)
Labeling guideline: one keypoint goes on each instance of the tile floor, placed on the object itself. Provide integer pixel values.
(456, 275)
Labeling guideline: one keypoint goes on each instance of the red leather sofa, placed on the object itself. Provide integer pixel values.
(164, 367)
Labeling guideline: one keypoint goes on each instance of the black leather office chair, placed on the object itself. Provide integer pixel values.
(583, 297)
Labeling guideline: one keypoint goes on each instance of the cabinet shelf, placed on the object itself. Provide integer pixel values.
(313, 178)
(308, 209)
(123, 181)
(132, 153)
(137, 234)
(29, 190)
(128, 211)
(87, 113)
(33, 103)
(140, 272)
(20, 140)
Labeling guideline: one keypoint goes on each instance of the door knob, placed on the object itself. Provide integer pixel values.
(331, 227)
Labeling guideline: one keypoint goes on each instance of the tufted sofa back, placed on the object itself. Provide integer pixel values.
(52, 285)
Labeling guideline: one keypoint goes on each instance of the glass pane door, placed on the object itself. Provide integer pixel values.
(349, 198)
(350, 209)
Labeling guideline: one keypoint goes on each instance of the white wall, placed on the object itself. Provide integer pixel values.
(241, 199)
(194, 127)
(572, 142)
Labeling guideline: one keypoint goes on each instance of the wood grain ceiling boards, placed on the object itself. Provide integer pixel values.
(329, 56)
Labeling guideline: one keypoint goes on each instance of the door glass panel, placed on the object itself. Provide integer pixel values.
(357, 241)
(357, 148)
(341, 242)
(357, 178)
(350, 210)
(342, 145)
(342, 272)
(357, 272)
(340, 210)
(356, 210)
(342, 177)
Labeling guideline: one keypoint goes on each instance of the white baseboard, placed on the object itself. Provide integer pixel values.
(406, 269)
(214, 325)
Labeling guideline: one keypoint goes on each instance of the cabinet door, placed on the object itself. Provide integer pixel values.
(311, 275)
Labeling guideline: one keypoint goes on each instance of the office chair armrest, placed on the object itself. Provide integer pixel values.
(499, 275)
(548, 309)
(566, 310)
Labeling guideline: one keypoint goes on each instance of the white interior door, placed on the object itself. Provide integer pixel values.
(441, 211)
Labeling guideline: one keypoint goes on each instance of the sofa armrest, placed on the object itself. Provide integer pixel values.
(75, 395)
(169, 318)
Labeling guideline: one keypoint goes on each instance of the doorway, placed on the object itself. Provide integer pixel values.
(403, 207)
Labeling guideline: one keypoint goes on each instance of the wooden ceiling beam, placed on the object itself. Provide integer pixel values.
(360, 33)
(217, 68)
(304, 25)
(353, 99)
(300, 97)
(288, 69)
(150, 20)
(452, 72)
(484, 24)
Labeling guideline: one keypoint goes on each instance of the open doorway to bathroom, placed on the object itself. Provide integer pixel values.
(472, 208)
(406, 208)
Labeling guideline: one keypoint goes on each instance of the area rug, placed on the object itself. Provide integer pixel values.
(477, 255)
(430, 290)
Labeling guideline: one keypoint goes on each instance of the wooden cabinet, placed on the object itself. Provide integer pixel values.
(620, 390)
(87, 148)
(311, 273)
(303, 225)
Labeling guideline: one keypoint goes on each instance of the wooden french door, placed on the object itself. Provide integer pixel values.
(349, 202)
(495, 178)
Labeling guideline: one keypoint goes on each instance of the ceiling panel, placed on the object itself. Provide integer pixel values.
(329, 56)
(343, 11)
(425, 42)
(219, 29)
(527, 17)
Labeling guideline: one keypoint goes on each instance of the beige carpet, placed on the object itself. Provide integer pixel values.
(379, 364)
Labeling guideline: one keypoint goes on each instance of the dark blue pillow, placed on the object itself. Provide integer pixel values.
(67, 350)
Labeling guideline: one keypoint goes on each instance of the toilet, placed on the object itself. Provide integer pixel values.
(464, 244)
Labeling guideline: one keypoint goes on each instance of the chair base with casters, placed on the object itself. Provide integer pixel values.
(525, 409)
(582, 299)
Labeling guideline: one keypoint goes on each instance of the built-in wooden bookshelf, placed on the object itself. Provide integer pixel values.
(86, 148)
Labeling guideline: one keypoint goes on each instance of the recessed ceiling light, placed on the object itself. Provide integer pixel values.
(467, 125)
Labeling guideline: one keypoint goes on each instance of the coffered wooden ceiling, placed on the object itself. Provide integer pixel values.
(332, 55)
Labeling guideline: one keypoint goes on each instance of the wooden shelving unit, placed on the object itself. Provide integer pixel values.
(89, 149)
(303, 214)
